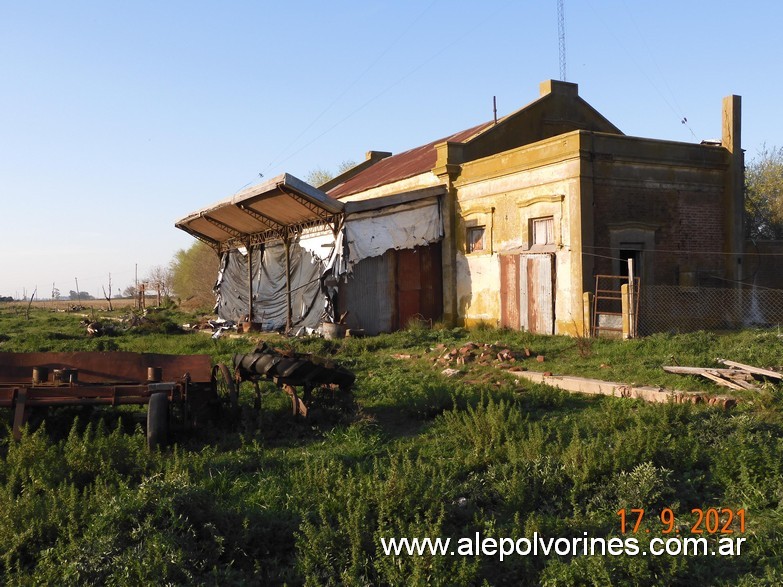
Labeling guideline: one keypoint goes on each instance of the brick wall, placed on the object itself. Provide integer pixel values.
(687, 220)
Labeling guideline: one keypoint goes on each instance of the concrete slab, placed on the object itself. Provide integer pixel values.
(599, 387)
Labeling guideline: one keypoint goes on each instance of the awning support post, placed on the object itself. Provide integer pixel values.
(288, 318)
(249, 283)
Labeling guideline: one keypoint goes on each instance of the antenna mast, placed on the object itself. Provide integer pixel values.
(561, 38)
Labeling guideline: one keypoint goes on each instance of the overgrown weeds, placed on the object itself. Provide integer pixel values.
(268, 500)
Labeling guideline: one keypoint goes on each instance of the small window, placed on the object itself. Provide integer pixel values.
(543, 230)
(475, 240)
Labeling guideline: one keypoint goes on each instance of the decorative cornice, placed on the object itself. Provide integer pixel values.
(646, 226)
(556, 199)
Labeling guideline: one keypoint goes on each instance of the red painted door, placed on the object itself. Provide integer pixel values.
(509, 292)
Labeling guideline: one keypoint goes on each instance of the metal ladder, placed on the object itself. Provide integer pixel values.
(608, 302)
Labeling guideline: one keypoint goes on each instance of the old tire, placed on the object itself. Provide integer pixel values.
(158, 421)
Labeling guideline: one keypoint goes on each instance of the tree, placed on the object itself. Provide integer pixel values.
(159, 281)
(79, 295)
(319, 176)
(193, 275)
(107, 296)
(764, 195)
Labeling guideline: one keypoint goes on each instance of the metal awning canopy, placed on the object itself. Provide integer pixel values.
(271, 210)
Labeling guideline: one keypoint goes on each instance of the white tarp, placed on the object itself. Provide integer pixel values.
(317, 259)
(371, 234)
(312, 291)
(322, 244)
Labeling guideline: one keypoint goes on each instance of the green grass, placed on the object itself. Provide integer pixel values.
(268, 500)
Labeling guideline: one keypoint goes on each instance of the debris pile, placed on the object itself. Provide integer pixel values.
(474, 353)
(147, 322)
(483, 354)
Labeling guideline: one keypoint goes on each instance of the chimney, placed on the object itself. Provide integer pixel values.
(734, 194)
(552, 86)
(376, 155)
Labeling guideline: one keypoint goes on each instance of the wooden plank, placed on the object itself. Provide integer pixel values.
(733, 373)
(713, 376)
(683, 370)
(752, 369)
(738, 377)
(743, 384)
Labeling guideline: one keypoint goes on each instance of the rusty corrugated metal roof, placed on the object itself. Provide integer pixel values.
(401, 166)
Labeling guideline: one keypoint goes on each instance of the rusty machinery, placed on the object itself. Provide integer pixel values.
(318, 377)
(30, 381)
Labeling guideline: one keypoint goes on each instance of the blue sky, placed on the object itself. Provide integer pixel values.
(119, 118)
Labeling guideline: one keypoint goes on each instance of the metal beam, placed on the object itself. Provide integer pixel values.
(249, 283)
(289, 310)
(224, 227)
(313, 207)
(261, 217)
(204, 239)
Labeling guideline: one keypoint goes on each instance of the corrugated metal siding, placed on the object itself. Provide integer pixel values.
(369, 295)
(385, 292)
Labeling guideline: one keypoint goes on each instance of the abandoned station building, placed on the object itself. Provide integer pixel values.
(507, 223)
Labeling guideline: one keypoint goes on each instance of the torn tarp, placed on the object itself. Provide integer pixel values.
(312, 259)
(318, 258)
(372, 233)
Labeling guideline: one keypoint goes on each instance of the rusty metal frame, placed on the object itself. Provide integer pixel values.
(333, 221)
(204, 239)
(330, 218)
(612, 296)
(274, 225)
(109, 379)
(223, 226)
(23, 398)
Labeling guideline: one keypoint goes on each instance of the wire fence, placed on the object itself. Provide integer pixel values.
(666, 308)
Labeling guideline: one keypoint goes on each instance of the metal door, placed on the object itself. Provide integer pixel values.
(509, 292)
(537, 293)
(419, 284)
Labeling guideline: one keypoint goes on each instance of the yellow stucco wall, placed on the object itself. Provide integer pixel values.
(504, 193)
(423, 180)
